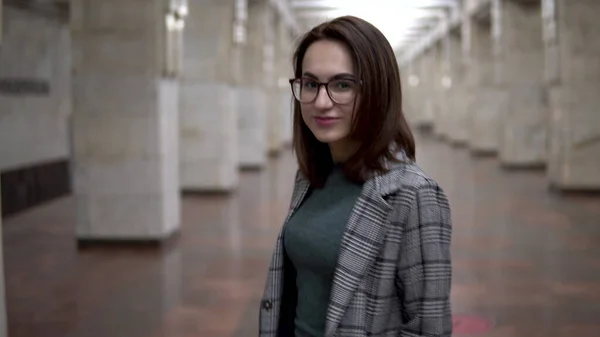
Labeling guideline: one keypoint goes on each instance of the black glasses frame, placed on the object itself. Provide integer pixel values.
(320, 84)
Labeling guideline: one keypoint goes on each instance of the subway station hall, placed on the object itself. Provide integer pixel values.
(147, 163)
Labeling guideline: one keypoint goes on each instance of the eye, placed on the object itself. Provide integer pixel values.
(342, 85)
(310, 84)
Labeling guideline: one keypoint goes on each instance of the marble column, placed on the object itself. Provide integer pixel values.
(410, 92)
(427, 88)
(483, 98)
(428, 94)
(439, 86)
(209, 156)
(457, 132)
(571, 30)
(125, 123)
(445, 87)
(252, 96)
(285, 71)
(271, 79)
(420, 113)
(523, 140)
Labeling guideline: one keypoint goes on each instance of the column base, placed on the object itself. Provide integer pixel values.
(166, 242)
(458, 138)
(524, 127)
(483, 153)
(458, 143)
(522, 166)
(252, 126)
(425, 128)
(577, 182)
(574, 154)
(440, 136)
(573, 191)
(274, 153)
(251, 168)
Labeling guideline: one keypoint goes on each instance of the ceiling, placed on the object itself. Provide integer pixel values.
(401, 21)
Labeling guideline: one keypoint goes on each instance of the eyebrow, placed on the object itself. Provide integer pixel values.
(336, 76)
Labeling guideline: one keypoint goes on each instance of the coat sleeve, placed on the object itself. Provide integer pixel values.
(424, 266)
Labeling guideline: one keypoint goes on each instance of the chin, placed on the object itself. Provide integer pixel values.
(327, 137)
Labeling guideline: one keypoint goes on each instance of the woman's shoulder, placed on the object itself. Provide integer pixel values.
(415, 191)
(409, 177)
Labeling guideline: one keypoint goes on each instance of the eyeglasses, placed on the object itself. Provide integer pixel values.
(340, 91)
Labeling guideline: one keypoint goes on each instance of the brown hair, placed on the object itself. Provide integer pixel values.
(379, 122)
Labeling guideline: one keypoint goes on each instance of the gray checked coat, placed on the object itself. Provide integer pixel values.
(393, 273)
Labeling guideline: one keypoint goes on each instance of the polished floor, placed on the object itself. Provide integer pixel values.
(526, 260)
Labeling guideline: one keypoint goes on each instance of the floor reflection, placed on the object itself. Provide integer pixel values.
(526, 259)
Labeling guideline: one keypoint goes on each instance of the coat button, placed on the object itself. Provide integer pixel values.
(267, 305)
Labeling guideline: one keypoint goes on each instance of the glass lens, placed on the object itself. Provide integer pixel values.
(305, 90)
(342, 91)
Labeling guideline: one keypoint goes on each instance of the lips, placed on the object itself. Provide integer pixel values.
(326, 121)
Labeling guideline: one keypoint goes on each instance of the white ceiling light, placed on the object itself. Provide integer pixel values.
(395, 18)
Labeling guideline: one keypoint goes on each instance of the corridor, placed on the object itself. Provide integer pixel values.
(146, 170)
(525, 260)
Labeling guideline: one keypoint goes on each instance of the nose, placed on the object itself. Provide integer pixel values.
(323, 101)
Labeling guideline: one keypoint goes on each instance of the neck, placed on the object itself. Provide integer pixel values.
(341, 151)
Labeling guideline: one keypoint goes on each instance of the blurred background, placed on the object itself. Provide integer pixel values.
(146, 166)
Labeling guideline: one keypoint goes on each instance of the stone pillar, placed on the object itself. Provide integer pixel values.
(252, 96)
(410, 95)
(271, 79)
(438, 74)
(285, 71)
(427, 83)
(444, 87)
(457, 132)
(208, 122)
(520, 68)
(3, 323)
(420, 84)
(571, 29)
(125, 122)
(483, 99)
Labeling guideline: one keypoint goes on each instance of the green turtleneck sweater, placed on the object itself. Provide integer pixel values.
(312, 240)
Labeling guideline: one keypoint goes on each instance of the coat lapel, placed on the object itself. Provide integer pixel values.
(302, 187)
(275, 280)
(360, 246)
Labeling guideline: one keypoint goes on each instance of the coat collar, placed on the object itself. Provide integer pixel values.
(385, 184)
(360, 245)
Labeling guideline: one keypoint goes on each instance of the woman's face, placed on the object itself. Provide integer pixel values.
(328, 116)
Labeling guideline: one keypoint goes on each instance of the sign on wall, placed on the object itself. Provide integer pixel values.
(24, 86)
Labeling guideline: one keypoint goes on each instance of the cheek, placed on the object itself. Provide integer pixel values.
(305, 112)
(348, 111)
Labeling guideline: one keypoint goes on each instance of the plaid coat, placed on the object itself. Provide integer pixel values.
(393, 273)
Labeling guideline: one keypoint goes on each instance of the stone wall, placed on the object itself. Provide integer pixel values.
(33, 123)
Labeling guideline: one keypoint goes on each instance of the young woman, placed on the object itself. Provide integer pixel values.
(365, 249)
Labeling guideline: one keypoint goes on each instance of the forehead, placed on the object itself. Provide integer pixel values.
(327, 58)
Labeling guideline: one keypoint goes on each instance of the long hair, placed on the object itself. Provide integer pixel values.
(379, 124)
